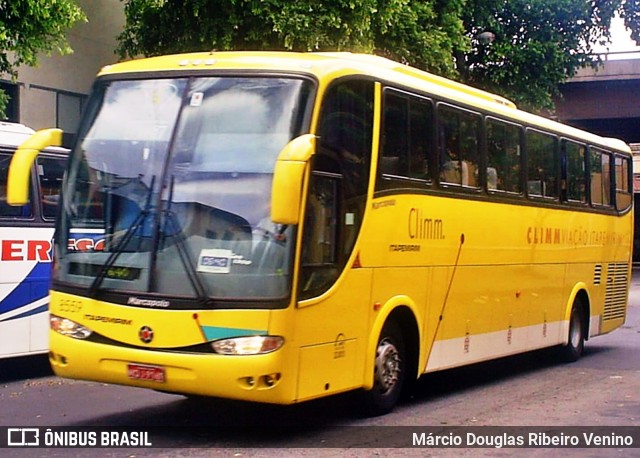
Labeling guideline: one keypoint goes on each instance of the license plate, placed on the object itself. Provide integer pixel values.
(146, 372)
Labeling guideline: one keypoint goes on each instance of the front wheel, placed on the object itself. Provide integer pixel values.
(572, 351)
(389, 372)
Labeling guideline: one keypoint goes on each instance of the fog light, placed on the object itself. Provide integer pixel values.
(271, 379)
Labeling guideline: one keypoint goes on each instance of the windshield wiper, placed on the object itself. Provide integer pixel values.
(119, 249)
(175, 232)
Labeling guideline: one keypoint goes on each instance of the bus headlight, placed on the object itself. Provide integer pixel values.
(253, 345)
(66, 327)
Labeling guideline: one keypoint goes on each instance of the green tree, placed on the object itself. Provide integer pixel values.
(630, 12)
(424, 33)
(30, 27)
(156, 27)
(536, 44)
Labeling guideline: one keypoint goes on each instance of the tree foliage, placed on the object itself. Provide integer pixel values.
(630, 12)
(537, 45)
(423, 32)
(30, 27)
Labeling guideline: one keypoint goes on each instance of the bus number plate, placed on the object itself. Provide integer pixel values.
(146, 372)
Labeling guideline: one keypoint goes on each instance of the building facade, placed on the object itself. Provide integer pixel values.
(53, 93)
(606, 101)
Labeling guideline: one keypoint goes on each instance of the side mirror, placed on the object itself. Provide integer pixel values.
(288, 179)
(22, 162)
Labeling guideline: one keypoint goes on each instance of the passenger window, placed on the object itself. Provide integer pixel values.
(600, 177)
(406, 138)
(503, 156)
(623, 188)
(6, 210)
(576, 182)
(420, 138)
(542, 165)
(50, 173)
(346, 131)
(458, 133)
(394, 159)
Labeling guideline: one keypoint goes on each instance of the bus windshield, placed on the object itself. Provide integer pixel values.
(169, 188)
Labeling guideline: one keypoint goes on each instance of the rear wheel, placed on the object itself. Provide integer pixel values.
(389, 371)
(572, 351)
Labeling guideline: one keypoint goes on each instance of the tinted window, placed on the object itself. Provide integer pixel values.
(338, 184)
(542, 165)
(6, 210)
(623, 189)
(576, 166)
(458, 134)
(345, 131)
(420, 138)
(600, 177)
(50, 173)
(406, 138)
(503, 156)
(394, 160)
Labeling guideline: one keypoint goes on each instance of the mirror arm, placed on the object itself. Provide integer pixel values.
(22, 162)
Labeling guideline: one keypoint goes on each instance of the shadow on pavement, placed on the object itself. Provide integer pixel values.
(12, 369)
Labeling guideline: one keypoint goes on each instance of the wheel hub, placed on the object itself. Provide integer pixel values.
(387, 365)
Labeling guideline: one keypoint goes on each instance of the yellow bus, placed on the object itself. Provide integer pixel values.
(278, 227)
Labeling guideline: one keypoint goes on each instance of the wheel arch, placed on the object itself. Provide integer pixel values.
(402, 311)
(579, 293)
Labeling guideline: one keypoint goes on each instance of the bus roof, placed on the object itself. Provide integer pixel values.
(13, 134)
(319, 63)
(335, 64)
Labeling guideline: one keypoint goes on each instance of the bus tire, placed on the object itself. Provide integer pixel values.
(574, 348)
(389, 372)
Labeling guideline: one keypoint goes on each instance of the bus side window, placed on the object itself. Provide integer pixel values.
(458, 132)
(542, 165)
(420, 135)
(623, 186)
(576, 182)
(346, 130)
(50, 173)
(395, 148)
(406, 141)
(6, 210)
(503, 156)
(600, 165)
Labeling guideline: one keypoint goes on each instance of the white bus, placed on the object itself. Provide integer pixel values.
(26, 234)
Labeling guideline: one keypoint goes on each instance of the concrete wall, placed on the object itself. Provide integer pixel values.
(605, 100)
(600, 99)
